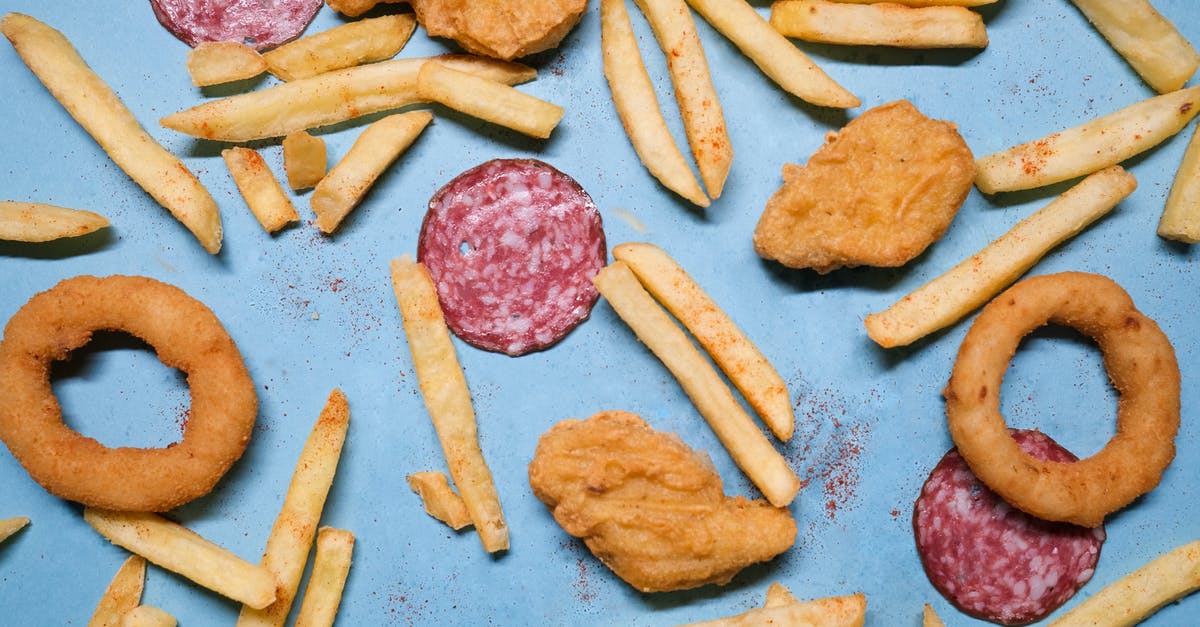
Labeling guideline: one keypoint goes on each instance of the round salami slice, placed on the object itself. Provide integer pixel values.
(512, 246)
(260, 24)
(993, 561)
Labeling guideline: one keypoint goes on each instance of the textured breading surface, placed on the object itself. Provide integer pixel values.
(877, 193)
(648, 506)
(501, 29)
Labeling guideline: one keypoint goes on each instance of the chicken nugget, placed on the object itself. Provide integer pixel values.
(503, 29)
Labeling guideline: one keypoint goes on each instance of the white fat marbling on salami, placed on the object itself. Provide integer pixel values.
(512, 246)
(260, 24)
(990, 560)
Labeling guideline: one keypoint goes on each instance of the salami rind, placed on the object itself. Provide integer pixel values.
(260, 24)
(991, 560)
(512, 246)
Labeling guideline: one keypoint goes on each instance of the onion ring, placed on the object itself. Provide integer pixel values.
(1141, 366)
(185, 334)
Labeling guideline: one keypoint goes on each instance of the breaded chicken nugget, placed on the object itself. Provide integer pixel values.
(503, 29)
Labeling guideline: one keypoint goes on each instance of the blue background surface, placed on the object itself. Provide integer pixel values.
(311, 312)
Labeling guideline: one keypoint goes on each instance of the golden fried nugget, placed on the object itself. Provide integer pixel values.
(877, 193)
(649, 507)
(501, 29)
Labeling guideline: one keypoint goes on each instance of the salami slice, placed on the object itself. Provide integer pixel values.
(512, 246)
(993, 561)
(260, 24)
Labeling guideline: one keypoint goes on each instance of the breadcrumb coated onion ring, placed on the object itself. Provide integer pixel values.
(1141, 366)
(185, 334)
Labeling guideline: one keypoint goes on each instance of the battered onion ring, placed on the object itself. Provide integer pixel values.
(1141, 365)
(186, 335)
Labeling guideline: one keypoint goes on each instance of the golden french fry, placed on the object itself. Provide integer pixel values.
(843, 611)
(101, 113)
(183, 551)
(747, 445)
(1149, 42)
(488, 100)
(259, 188)
(38, 222)
(724, 341)
(929, 618)
(951, 296)
(1181, 215)
(441, 501)
(1136, 596)
(330, 569)
(778, 595)
(882, 24)
(777, 57)
(9, 526)
(447, 399)
(292, 535)
(703, 119)
(147, 616)
(376, 148)
(355, 8)
(327, 98)
(123, 593)
(925, 3)
(355, 43)
(304, 159)
(637, 105)
(217, 62)
(1091, 146)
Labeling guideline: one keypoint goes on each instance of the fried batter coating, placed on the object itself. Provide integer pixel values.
(877, 193)
(649, 507)
(505, 29)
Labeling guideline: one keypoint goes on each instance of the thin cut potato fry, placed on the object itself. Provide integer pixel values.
(778, 595)
(183, 551)
(259, 188)
(102, 114)
(292, 534)
(929, 618)
(724, 341)
(38, 222)
(924, 3)
(331, 567)
(1136, 596)
(947, 298)
(488, 100)
(844, 611)
(637, 105)
(326, 99)
(441, 501)
(703, 119)
(1089, 147)
(355, 43)
(304, 159)
(777, 57)
(9, 526)
(123, 593)
(882, 24)
(217, 62)
(447, 399)
(376, 148)
(747, 445)
(1181, 215)
(147, 616)
(1148, 41)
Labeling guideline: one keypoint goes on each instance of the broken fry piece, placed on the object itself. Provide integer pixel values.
(39, 222)
(441, 501)
(217, 62)
(259, 188)
(348, 45)
(304, 159)
(148, 616)
(123, 593)
(331, 567)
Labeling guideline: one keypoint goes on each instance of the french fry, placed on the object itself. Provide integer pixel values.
(183, 551)
(778, 595)
(355, 8)
(747, 445)
(637, 105)
(724, 341)
(488, 100)
(292, 535)
(929, 618)
(1136, 596)
(447, 399)
(1149, 42)
(326, 99)
(217, 62)
(330, 569)
(703, 119)
(777, 57)
(1091, 146)
(147, 616)
(355, 43)
(258, 186)
(1181, 215)
(101, 113)
(440, 500)
(951, 296)
(843, 611)
(38, 222)
(925, 3)
(123, 593)
(376, 148)
(882, 24)
(9, 526)
(304, 159)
